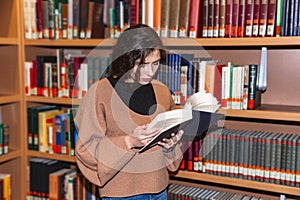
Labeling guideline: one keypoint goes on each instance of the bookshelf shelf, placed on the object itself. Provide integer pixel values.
(271, 112)
(63, 101)
(8, 41)
(9, 98)
(225, 42)
(12, 154)
(51, 156)
(239, 182)
(71, 43)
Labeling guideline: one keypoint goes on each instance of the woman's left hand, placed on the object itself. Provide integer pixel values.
(169, 144)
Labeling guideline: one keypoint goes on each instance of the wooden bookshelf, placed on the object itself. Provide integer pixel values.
(239, 182)
(14, 101)
(60, 157)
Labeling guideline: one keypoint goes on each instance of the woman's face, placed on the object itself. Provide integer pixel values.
(148, 69)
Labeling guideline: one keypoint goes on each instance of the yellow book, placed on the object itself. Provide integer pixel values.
(6, 185)
(46, 119)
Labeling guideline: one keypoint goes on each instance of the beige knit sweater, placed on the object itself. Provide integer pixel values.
(101, 153)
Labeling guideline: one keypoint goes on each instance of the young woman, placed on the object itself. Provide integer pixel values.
(113, 117)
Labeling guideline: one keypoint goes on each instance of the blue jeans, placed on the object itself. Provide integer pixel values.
(158, 196)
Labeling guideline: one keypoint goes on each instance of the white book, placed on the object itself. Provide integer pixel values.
(168, 122)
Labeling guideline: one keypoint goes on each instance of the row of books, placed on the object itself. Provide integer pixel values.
(68, 19)
(56, 180)
(182, 192)
(245, 154)
(4, 139)
(64, 19)
(5, 186)
(51, 129)
(69, 74)
(233, 85)
(4, 135)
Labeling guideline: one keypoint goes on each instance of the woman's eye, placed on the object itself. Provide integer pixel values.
(156, 64)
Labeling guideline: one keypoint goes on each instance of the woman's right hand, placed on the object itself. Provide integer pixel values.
(140, 136)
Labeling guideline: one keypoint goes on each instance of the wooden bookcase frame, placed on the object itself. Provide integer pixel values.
(13, 49)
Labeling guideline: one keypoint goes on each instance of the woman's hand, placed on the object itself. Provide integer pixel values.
(169, 144)
(140, 136)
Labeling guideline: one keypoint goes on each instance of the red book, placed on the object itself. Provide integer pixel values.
(249, 17)
(263, 17)
(39, 18)
(235, 18)
(271, 18)
(134, 12)
(228, 18)
(194, 19)
(241, 23)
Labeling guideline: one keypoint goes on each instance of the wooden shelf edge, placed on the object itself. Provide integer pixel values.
(60, 157)
(258, 41)
(73, 42)
(282, 113)
(12, 154)
(64, 101)
(239, 182)
(9, 41)
(9, 98)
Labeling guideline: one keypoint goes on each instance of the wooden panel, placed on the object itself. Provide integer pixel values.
(8, 16)
(13, 167)
(9, 71)
(11, 117)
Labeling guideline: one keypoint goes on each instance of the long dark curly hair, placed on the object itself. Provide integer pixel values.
(136, 42)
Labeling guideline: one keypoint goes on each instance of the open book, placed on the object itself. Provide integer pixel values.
(168, 122)
(194, 119)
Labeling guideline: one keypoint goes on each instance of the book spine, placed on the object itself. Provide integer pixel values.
(249, 17)
(228, 18)
(256, 12)
(263, 17)
(271, 18)
(252, 86)
(235, 18)
(241, 20)
(222, 18)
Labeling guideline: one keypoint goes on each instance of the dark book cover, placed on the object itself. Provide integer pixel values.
(241, 20)
(216, 16)
(271, 18)
(76, 18)
(210, 19)
(256, 13)
(45, 14)
(228, 18)
(184, 18)
(98, 24)
(263, 17)
(222, 18)
(174, 18)
(40, 60)
(134, 19)
(64, 20)
(252, 86)
(83, 18)
(165, 18)
(249, 11)
(39, 18)
(235, 18)
(205, 13)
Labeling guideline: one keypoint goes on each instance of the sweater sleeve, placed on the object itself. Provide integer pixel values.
(99, 157)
